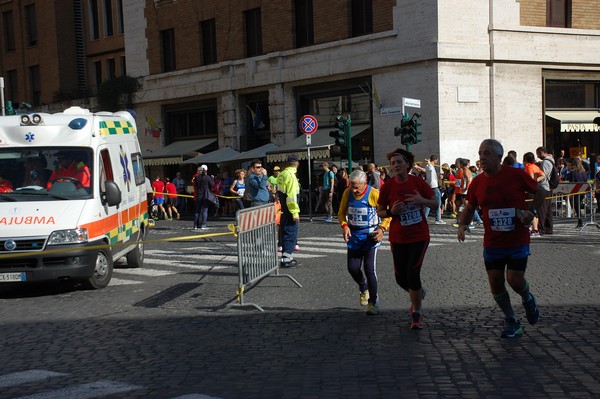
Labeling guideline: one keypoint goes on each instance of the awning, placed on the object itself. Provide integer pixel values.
(173, 153)
(258, 152)
(221, 155)
(575, 121)
(321, 142)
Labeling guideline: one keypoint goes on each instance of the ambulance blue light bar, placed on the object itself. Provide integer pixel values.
(78, 123)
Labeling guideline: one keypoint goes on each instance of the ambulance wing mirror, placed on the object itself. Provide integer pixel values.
(112, 195)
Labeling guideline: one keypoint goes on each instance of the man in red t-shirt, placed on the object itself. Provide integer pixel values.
(500, 192)
(158, 186)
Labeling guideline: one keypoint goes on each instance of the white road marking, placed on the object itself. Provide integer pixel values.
(24, 377)
(85, 391)
(118, 281)
(145, 272)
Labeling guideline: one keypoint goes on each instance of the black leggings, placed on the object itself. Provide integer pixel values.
(368, 280)
(408, 259)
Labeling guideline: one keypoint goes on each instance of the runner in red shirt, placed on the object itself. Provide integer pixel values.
(403, 198)
(500, 192)
(159, 197)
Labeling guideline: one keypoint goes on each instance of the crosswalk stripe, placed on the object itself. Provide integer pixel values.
(85, 391)
(188, 264)
(24, 377)
(145, 272)
(118, 281)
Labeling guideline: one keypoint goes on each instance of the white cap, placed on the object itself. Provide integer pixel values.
(204, 167)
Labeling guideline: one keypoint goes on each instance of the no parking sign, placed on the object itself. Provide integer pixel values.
(308, 125)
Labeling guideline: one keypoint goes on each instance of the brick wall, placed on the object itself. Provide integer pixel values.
(331, 23)
(585, 14)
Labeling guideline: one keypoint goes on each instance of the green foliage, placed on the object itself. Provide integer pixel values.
(117, 93)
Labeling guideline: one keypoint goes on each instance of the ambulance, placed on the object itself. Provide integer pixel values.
(73, 196)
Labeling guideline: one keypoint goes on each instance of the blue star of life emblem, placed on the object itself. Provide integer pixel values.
(29, 137)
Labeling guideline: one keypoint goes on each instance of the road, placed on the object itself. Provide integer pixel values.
(165, 331)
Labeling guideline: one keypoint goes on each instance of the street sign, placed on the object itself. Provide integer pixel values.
(308, 124)
(308, 140)
(411, 102)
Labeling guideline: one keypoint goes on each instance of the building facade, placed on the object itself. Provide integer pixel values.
(241, 76)
(54, 52)
(246, 73)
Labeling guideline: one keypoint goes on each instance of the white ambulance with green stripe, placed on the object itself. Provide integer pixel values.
(72, 196)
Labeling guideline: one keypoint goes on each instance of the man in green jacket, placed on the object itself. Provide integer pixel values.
(287, 191)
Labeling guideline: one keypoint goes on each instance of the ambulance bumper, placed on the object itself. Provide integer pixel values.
(63, 262)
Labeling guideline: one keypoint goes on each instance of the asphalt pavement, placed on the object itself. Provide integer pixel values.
(177, 337)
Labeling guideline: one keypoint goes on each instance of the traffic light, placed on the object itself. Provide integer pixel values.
(340, 134)
(409, 129)
(416, 125)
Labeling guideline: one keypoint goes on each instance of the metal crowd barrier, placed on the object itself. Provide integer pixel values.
(567, 196)
(257, 249)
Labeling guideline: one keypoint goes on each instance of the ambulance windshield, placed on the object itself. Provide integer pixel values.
(46, 174)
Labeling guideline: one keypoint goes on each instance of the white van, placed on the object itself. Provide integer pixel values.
(71, 183)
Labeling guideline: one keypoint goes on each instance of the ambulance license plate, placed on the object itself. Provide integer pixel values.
(11, 277)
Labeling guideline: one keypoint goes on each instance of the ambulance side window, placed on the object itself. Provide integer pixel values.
(106, 172)
(138, 168)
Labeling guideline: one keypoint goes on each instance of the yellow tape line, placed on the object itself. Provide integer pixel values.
(121, 244)
(166, 195)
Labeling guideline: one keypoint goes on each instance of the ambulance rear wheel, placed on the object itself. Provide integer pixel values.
(135, 257)
(102, 272)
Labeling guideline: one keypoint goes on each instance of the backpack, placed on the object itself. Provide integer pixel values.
(554, 177)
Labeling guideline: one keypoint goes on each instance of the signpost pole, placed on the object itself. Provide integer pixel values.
(309, 180)
(309, 125)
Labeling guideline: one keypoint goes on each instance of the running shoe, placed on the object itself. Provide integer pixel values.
(288, 264)
(297, 248)
(417, 321)
(364, 298)
(328, 219)
(440, 222)
(534, 233)
(373, 309)
(279, 249)
(453, 216)
(532, 310)
(512, 328)
(423, 293)
(455, 225)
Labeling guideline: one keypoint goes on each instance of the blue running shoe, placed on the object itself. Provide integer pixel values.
(532, 310)
(512, 328)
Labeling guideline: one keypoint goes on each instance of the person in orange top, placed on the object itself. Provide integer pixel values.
(67, 167)
(538, 175)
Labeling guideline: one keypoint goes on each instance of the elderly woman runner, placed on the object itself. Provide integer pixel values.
(363, 231)
(403, 199)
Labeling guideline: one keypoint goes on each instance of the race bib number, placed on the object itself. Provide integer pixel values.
(411, 215)
(358, 217)
(458, 183)
(502, 219)
(241, 192)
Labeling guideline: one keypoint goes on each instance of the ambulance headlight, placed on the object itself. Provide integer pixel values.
(36, 119)
(71, 236)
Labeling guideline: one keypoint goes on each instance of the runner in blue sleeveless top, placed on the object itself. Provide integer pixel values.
(363, 232)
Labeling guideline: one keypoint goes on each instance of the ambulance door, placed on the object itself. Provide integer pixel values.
(111, 213)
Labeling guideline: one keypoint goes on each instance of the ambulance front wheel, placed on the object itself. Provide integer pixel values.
(135, 257)
(102, 272)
